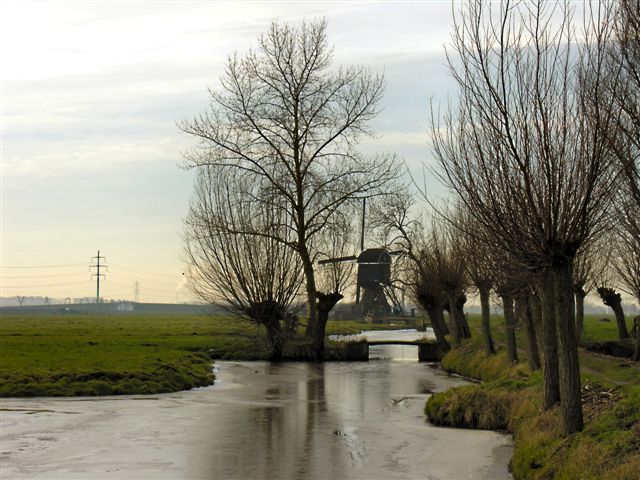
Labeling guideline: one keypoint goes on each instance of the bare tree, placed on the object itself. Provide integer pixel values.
(506, 288)
(607, 283)
(428, 293)
(448, 270)
(530, 319)
(625, 67)
(528, 155)
(285, 116)
(405, 233)
(479, 262)
(254, 276)
(335, 241)
(627, 265)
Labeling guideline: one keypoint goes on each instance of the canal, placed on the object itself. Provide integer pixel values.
(259, 421)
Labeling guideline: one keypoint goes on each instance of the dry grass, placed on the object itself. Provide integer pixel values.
(510, 399)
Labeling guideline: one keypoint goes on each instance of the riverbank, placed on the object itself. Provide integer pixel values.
(78, 355)
(509, 400)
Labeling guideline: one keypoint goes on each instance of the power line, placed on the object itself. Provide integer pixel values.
(45, 266)
(47, 285)
(57, 275)
(135, 270)
(117, 274)
(98, 275)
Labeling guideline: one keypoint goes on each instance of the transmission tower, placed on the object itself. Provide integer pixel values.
(136, 292)
(97, 265)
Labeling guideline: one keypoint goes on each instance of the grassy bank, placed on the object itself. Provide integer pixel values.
(510, 397)
(55, 355)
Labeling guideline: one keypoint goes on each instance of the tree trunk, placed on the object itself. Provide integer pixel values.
(453, 320)
(533, 356)
(623, 333)
(613, 300)
(314, 330)
(548, 343)
(275, 337)
(463, 325)
(445, 326)
(439, 327)
(636, 327)
(509, 326)
(326, 302)
(519, 309)
(579, 294)
(570, 395)
(489, 348)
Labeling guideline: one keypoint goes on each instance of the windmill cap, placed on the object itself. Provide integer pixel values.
(374, 255)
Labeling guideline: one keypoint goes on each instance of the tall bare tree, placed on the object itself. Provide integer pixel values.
(283, 114)
(528, 155)
(254, 276)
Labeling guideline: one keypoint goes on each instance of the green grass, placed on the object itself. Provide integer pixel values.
(596, 330)
(54, 355)
(104, 355)
(510, 399)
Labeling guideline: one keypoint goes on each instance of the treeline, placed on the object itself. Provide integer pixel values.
(539, 152)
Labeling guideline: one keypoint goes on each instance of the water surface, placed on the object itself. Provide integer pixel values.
(260, 421)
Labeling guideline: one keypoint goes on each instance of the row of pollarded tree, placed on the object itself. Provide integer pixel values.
(541, 152)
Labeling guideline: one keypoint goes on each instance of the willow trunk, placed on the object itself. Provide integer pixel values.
(489, 347)
(276, 339)
(439, 328)
(636, 351)
(570, 395)
(510, 328)
(454, 329)
(623, 333)
(548, 343)
(533, 355)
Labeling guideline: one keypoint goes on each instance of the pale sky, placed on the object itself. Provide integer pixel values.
(92, 91)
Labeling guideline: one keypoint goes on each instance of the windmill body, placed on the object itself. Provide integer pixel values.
(374, 277)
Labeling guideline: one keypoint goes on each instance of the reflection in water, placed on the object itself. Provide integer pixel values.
(260, 421)
(340, 420)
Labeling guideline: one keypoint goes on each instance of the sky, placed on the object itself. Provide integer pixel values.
(92, 91)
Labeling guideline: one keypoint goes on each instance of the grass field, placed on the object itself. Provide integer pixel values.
(52, 355)
(510, 399)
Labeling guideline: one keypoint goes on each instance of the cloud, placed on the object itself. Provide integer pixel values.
(92, 92)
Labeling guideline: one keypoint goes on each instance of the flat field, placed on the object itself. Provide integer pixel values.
(60, 355)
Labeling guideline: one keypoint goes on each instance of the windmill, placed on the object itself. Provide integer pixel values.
(374, 287)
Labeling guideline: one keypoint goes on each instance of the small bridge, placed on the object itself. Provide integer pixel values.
(428, 350)
(397, 342)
